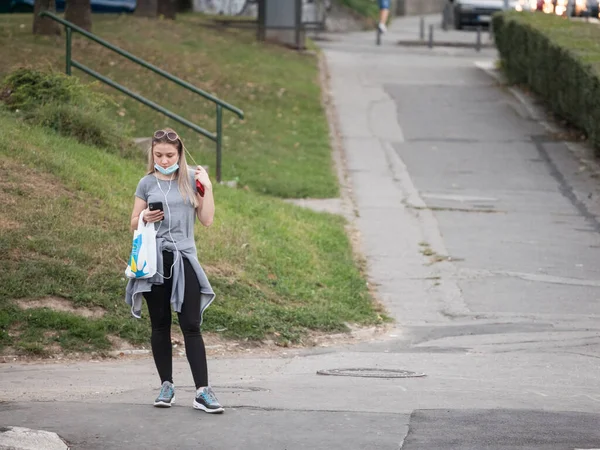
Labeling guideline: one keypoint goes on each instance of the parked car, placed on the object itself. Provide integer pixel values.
(98, 6)
(478, 12)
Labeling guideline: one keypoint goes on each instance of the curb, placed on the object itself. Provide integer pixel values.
(335, 138)
(18, 438)
(532, 110)
(346, 189)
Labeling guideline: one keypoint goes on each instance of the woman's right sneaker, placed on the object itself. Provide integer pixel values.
(206, 400)
(166, 397)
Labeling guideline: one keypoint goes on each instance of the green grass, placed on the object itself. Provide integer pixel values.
(279, 271)
(368, 9)
(281, 149)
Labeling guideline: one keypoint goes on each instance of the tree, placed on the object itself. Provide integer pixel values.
(155, 8)
(167, 8)
(79, 12)
(185, 5)
(44, 25)
(146, 8)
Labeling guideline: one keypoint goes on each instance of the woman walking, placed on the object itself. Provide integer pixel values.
(167, 197)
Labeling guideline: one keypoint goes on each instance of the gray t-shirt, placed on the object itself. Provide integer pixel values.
(178, 223)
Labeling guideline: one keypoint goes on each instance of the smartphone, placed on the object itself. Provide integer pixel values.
(200, 188)
(155, 206)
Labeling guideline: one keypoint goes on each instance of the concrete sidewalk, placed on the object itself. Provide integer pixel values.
(407, 32)
(482, 239)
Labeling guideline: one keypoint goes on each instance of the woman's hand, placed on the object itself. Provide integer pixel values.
(202, 176)
(153, 216)
(205, 210)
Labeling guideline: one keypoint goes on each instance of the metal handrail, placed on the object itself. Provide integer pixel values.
(220, 105)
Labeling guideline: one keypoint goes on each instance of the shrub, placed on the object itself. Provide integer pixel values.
(69, 107)
(88, 127)
(28, 89)
(367, 9)
(559, 60)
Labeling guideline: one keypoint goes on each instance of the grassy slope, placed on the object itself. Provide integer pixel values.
(285, 127)
(278, 270)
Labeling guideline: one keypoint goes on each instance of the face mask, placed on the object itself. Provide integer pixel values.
(168, 170)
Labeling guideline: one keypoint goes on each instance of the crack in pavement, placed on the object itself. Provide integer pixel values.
(563, 186)
(467, 273)
(330, 411)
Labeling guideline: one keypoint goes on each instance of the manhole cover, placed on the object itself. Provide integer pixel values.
(371, 373)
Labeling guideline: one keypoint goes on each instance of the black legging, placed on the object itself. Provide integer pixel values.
(159, 307)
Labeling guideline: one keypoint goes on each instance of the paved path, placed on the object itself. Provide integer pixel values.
(482, 237)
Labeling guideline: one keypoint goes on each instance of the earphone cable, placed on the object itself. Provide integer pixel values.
(170, 219)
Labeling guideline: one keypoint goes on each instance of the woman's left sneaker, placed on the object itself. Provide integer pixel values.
(206, 400)
(166, 397)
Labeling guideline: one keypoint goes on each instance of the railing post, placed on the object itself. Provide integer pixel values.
(430, 42)
(299, 34)
(68, 58)
(219, 134)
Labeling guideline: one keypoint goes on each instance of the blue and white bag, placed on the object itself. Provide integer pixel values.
(142, 262)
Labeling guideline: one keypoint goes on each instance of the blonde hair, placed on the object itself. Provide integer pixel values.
(185, 187)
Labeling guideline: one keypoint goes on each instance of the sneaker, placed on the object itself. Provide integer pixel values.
(207, 401)
(382, 28)
(166, 397)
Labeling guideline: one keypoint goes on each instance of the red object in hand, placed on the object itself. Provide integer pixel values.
(200, 188)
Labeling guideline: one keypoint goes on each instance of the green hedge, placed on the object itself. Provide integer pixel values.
(559, 59)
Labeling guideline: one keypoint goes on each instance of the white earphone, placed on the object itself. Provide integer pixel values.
(160, 225)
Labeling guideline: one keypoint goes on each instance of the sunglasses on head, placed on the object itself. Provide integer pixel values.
(170, 135)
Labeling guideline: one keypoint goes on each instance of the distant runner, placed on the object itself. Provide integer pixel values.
(384, 12)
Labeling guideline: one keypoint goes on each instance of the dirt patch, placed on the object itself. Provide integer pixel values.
(15, 330)
(20, 180)
(119, 343)
(62, 305)
(6, 224)
(356, 335)
(217, 347)
(221, 270)
(19, 183)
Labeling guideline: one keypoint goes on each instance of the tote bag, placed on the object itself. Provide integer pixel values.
(142, 262)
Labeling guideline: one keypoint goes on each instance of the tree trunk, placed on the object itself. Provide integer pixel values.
(185, 5)
(167, 8)
(146, 8)
(79, 12)
(44, 25)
